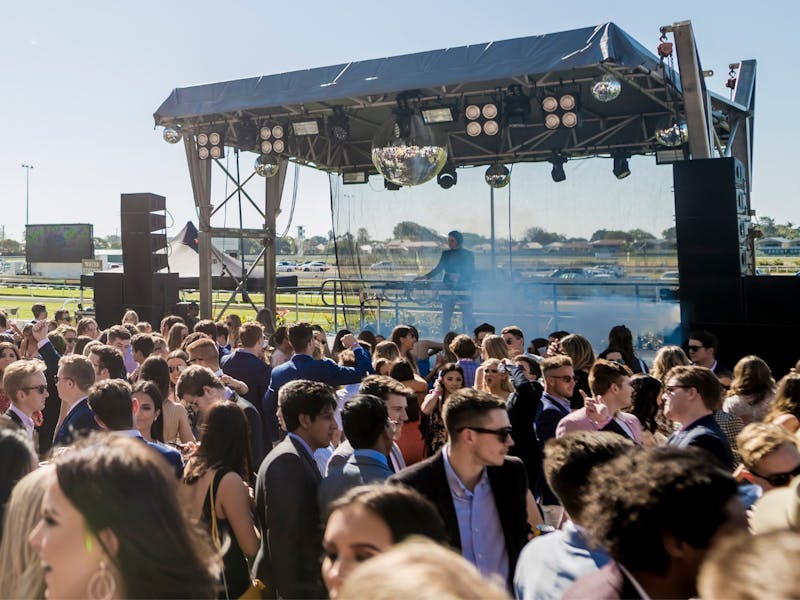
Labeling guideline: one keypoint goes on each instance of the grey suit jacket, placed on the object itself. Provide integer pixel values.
(358, 470)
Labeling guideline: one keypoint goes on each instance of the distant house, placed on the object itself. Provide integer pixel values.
(778, 246)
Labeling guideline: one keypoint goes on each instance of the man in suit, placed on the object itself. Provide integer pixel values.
(478, 489)
(247, 363)
(115, 411)
(304, 366)
(108, 363)
(25, 384)
(286, 494)
(209, 327)
(702, 350)
(690, 395)
(75, 377)
(366, 424)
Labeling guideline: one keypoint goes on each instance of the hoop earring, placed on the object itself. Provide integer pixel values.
(102, 584)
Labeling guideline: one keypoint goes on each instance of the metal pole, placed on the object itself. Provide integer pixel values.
(27, 189)
(494, 259)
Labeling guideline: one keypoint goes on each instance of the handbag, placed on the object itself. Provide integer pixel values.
(256, 585)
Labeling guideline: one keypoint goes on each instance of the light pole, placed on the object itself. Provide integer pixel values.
(27, 188)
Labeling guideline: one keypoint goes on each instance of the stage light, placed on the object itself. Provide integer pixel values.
(265, 133)
(561, 111)
(567, 102)
(497, 176)
(210, 145)
(606, 88)
(305, 128)
(552, 121)
(339, 125)
(171, 135)
(279, 146)
(277, 132)
(491, 128)
(489, 111)
(406, 151)
(474, 128)
(266, 166)
(569, 119)
(557, 173)
(354, 177)
(437, 115)
(392, 187)
(266, 147)
(472, 112)
(549, 104)
(447, 177)
(673, 135)
(621, 168)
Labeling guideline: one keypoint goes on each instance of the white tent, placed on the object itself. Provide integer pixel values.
(184, 259)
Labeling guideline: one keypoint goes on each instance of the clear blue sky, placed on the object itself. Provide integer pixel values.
(81, 80)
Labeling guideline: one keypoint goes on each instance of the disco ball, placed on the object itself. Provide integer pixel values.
(266, 166)
(606, 88)
(406, 152)
(171, 136)
(497, 176)
(673, 135)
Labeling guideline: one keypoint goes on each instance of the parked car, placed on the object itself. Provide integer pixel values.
(607, 271)
(669, 276)
(316, 265)
(383, 265)
(285, 266)
(571, 273)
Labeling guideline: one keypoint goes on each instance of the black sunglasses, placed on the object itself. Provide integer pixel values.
(503, 433)
(694, 348)
(779, 479)
(39, 388)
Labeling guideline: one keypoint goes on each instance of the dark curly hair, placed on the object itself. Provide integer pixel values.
(633, 500)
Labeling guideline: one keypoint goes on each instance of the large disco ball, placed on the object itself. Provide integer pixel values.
(171, 135)
(407, 152)
(606, 88)
(673, 135)
(497, 176)
(266, 166)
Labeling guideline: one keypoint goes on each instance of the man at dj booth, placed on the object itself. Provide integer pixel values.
(458, 266)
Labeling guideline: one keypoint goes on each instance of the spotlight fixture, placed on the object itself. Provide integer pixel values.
(210, 145)
(557, 173)
(171, 135)
(516, 105)
(621, 168)
(266, 165)
(271, 139)
(561, 111)
(447, 177)
(606, 88)
(353, 177)
(305, 128)
(674, 135)
(339, 125)
(482, 119)
(497, 176)
(437, 114)
(392, 187)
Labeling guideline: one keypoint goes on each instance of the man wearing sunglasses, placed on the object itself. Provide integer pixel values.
(25, 384)
(479, 490)
(770, 457)
(702, 351)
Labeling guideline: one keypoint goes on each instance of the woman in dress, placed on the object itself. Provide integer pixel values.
(492, 346)
(752, 390)
(173, 421)
(666, 358)
(451, 378)
(785, 409)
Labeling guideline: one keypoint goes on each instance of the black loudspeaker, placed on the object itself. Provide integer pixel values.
(163, 295)
(109, 299)
(144, 243)
(712, 222)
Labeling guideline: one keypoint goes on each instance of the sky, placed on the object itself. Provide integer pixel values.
(80, 82)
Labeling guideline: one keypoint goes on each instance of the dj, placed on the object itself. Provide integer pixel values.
(458, 266)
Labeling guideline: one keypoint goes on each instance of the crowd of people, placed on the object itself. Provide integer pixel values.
(217, 459)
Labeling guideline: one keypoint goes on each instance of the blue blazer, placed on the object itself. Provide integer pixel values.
(79, 422)
(303, 366)
(251, 370)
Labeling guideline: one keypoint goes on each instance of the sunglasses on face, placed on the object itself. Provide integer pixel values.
(779, 479)
(565, 378)
(694, 348)
(39, 388)
(503, 433)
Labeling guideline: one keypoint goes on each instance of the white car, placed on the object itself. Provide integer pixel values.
(317, 265)
(284, 266)
(383, 265)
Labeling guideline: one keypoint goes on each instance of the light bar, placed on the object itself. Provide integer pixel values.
(354, 177)
(305, 128)
(437, 115)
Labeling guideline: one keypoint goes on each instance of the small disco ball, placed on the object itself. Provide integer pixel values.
(497, 176)
(171, 135)
(674, 135)
(606, 88)
(266, 166)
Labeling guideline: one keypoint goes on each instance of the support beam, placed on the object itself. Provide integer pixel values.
(272, 205)
(200, 176)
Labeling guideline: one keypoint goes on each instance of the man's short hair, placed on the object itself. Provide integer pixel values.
(757, 440)
(109, 358)
(383, 385)
(637, 498)
(58, 341)
(206, 326)
(487, 327)
(300, 335)
(569, 460)
(38, 309)
(533, 364)
(144, 343)
(62, 314)
(17, 372)
(463, 346)
(79, 369)
(604, 373)
(250, 333)
(204, 348)
(222, 329)
(551, 363)
(194, 379)
(701, 379)
(170, 320)
(84, 324)
(468, 407)
(304, 397)
(118, 332)
(112, 403)
(513, 330)
(708, 339)
(364, 419)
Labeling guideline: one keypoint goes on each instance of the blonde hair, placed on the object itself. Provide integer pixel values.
(495, 347)
(666, 358)
(17, 372)
(505, 380)
(423, 570)
(757, 440)
(22, 575)
(579, 350)
(388, 350)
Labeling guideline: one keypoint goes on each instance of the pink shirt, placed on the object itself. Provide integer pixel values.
(578, 421)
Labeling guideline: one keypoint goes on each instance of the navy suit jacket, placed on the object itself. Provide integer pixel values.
(545, 423)
(80, 421)
(253, 371)
(705, 433)
(303, 366)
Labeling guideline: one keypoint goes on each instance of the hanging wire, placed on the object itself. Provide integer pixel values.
(294, 201)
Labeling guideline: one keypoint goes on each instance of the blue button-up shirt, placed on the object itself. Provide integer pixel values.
(482, 540)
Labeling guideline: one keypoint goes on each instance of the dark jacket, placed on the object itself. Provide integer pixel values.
(79, 422)
(250, 369)
(522, 407)
(705, 433)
